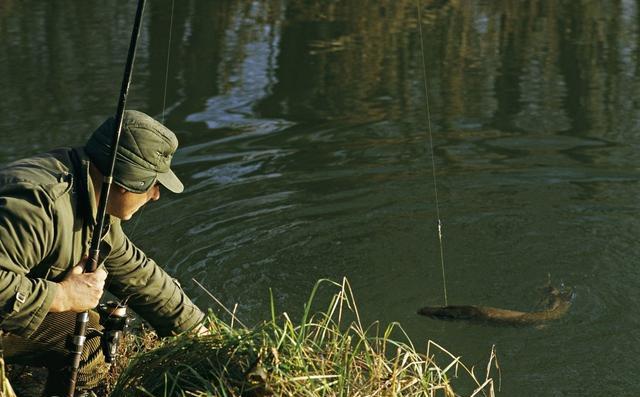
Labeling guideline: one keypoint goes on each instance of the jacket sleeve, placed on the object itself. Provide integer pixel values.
(147, 288)
(26, 237)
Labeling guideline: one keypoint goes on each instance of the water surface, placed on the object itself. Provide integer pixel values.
(305, 152)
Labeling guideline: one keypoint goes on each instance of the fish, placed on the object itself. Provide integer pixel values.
(557, 305)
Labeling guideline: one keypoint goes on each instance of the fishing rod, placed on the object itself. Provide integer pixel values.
(82, 319)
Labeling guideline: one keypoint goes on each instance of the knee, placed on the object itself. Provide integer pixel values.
(93, 367)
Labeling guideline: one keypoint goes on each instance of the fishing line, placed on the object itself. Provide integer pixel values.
(132, 229)
(164, 103)
(166, 73)
(138, 217)
(433, 157)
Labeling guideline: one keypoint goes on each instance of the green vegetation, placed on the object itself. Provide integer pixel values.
(5, 387)
(329, 354)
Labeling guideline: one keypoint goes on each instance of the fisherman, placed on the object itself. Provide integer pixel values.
(48, 209)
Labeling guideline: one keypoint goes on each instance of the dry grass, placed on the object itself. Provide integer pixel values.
(133, 344)
(5, 388)
(325, 355)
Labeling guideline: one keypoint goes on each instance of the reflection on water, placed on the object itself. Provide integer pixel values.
(251, 79)
(304, 153)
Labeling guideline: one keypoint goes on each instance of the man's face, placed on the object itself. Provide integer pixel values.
(123, 203)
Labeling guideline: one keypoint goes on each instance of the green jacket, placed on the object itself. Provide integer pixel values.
(47, 215)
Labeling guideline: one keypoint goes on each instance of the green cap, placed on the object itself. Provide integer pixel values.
(144, 152)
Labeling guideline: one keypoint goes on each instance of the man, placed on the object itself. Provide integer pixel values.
(48, 210)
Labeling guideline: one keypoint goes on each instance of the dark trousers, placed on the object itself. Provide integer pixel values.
(49, 347)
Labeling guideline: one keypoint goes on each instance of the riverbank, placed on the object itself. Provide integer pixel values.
(328, 353)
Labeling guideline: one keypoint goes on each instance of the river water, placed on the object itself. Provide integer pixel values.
(305, 152)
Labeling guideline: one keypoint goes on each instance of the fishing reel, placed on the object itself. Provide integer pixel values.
(114, 319)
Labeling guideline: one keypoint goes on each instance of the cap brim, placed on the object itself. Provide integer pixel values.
(171, 182)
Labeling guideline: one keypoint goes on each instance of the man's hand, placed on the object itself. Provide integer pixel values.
(79, 291)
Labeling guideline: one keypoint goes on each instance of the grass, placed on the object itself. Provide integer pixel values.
(5, 388)
(328, 353)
